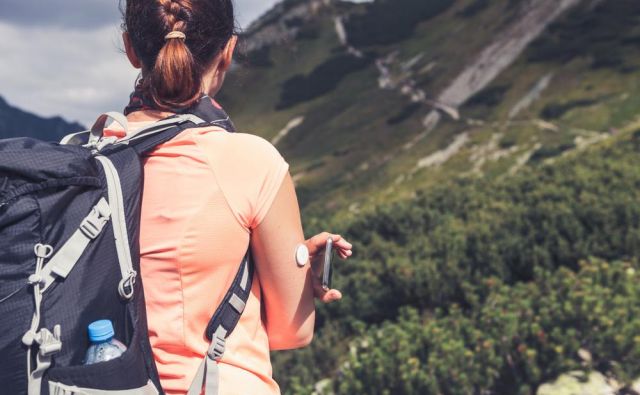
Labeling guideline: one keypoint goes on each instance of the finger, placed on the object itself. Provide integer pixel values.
(343, 244)
(344, 254)
(325, 296)
(317, 242)
(331, 296)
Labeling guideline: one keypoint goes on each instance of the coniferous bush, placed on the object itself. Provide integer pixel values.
(478, 285)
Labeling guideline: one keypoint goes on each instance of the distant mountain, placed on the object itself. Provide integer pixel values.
(15, 122)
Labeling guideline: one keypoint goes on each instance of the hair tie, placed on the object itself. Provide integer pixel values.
(175, 34)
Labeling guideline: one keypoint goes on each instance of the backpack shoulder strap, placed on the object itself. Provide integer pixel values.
(147, 140)
(205, 113)
(222, 323)
(228, 313)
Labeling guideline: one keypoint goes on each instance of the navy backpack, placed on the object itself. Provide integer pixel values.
(69, 255)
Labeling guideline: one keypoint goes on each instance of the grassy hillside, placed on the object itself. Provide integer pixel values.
(495, 251)
(488, 286)
(350, 153)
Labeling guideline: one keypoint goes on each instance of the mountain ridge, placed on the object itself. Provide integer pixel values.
(15, 122)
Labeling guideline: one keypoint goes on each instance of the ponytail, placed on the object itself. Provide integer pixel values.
(175, 80)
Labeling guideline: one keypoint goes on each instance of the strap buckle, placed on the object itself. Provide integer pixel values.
(92, 225)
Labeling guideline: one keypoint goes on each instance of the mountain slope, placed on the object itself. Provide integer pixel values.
(362, 96)
(15, 122)
(474, 235)
(487, 285)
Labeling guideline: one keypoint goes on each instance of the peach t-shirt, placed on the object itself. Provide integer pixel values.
(204, 191)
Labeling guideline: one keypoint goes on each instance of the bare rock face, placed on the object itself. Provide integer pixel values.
(581, 383)
(577, 383)
(282, 23)
(500, 54)
(536, 16)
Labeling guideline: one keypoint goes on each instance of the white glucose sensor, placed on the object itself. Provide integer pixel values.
(302, 255)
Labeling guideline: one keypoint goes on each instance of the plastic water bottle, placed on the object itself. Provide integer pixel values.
(103, 346)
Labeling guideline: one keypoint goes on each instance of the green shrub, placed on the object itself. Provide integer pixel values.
(389, 21)
(406, 113)
(589, 32)
(323, 79)
(490, 97)
(546, 152)
(453, 253)
(557, 110)
(515, 339)
(474, 8)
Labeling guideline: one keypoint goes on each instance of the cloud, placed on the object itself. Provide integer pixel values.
(69, 14)
(93, 14)
(63, 57)
(53, 71)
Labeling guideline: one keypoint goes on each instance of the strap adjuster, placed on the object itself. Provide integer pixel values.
(218, 342)
(216, 350)
(49, 343)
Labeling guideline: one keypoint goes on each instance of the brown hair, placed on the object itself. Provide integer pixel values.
(173, 68)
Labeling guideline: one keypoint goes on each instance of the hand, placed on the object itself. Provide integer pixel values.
(316, 246)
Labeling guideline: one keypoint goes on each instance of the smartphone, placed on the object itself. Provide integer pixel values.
(327, 271)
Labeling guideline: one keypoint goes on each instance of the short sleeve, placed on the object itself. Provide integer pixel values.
(249, 171)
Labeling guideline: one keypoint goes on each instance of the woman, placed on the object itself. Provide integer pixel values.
(207, 195)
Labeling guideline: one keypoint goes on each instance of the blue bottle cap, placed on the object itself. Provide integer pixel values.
(100, 331)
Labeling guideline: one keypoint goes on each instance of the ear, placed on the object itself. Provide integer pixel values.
(131, 54)
(226, 55)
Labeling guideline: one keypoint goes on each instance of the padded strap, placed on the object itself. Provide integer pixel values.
(220, 326)
(145, 145)
(228, 313)
(213, 114)
(204, 113)
(161, 126)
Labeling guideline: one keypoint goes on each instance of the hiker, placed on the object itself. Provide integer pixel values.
(208, 194)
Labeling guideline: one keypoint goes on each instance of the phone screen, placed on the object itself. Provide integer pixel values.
(327, 270)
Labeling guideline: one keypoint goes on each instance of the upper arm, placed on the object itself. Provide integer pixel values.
(286, 287)
(256, 184)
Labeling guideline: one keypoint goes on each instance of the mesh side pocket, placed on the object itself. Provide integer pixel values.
(125, 373)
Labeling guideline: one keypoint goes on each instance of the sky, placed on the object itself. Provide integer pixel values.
(65, 57)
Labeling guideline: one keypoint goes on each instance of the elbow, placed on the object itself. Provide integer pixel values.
(290, 342)
(303, 340)
(292, 337)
